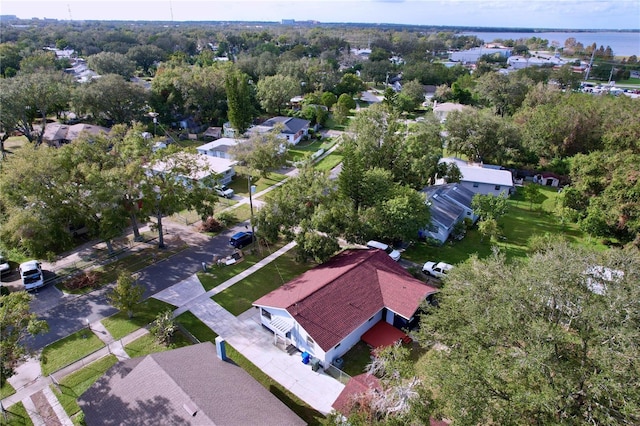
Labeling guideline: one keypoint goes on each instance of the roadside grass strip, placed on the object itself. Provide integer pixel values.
(147, 344)
(68, 350)
(119, 325)
(16, 416)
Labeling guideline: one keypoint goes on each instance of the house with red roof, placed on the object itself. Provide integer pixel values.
(326, 310)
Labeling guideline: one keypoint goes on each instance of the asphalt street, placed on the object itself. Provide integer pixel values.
(67, 314)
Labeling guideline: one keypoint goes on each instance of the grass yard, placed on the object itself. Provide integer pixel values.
(197, 328)
(329, 162)
(242, 213)
(68, 350)
(240, 184)
(521, 223)
(356, 359)
(239, 297)
(16, 416)
(75, 384)
(119, 325)
(147, 344)
(6, 390)
(218, 275)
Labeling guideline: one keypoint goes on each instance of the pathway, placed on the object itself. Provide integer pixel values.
(246, 335)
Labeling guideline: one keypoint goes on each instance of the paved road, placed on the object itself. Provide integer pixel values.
(66, 314)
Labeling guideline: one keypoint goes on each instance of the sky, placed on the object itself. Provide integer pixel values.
(548, 14)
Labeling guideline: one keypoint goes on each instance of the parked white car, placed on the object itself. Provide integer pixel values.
(437, 270)
(31, 274)
(394, 254)
(224, 191)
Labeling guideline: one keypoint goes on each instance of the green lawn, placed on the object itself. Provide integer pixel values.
(239, 297)
(218, 274)
(16, 416)
(356, 359)
(68, 350)
(6, 390)
(75, 384)
(240, 184)
(518, 226)
(119, 325)
(196, 327)
(329, 162)
(242, 213)
(147, 344)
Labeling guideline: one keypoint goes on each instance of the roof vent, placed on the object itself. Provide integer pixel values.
(190, 408)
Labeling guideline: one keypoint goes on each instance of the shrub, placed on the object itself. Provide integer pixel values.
(164, 327)
(212, 224)
(225, 218)
(83, 280)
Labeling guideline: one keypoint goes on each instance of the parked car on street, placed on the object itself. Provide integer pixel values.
(437, 270)
(31, 274)
(224, 191)
(4, 265)
(394, 254)
(241, 239)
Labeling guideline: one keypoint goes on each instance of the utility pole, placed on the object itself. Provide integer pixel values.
(586, 77)
(251, 189)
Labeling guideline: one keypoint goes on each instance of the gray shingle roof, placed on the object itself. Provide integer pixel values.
(189, 385)
(291, 124)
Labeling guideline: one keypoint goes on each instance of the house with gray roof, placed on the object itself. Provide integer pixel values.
(294, 128)
(449, 204)
(57, 134)
(483, 178)
(220, 148)
(185, 386)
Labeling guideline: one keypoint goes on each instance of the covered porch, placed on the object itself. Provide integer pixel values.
(384, 334)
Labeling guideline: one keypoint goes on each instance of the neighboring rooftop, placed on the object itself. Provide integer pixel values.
(189, 386)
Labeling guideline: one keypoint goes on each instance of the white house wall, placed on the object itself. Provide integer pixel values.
(299, 335)
(351, 340)
(486, 188)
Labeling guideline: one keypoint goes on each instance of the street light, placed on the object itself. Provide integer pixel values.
(154, 115)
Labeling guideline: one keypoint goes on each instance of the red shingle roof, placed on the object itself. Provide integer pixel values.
(333, 299)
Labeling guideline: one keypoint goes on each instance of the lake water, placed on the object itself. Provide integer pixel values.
(622, 43)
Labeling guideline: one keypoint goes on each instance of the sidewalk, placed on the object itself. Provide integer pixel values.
(246, 335)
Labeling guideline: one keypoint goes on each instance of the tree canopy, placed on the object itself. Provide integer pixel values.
(552, 339)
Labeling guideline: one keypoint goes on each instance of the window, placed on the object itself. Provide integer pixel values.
(337, 346)
(266, 314)
(497, 188)
(475, 185)
(310, 342)
(371, 319)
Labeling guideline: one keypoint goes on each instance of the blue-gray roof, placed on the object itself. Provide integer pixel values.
(444, 211)
(291, 124)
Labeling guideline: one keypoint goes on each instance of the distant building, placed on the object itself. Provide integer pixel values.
(473, 55)
(57, 134)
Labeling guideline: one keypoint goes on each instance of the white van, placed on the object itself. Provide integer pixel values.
(394, 254)
(31, 274)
